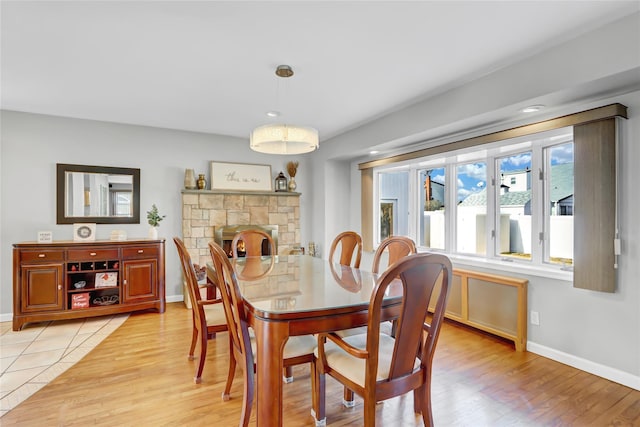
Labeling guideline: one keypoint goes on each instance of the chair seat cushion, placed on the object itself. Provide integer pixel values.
(214, 313)
(295, 346)
(354, 368)
(353, 331)
(385, 327)
(300, 345)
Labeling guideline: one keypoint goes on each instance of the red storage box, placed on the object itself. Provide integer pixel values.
(80, 300)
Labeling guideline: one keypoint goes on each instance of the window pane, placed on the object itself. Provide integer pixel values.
(123, 203)
(471, 192)
(432, 201)
(514, 207)
(394, 204)
(559, 200)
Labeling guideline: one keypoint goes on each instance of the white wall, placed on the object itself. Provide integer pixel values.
(32, 145)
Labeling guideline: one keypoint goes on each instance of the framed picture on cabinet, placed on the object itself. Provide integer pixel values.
(45, 237)
(84, 232)
(106, 280)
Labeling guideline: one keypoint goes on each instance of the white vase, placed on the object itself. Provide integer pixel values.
(292, 184)
(189, 179)
(153, 233)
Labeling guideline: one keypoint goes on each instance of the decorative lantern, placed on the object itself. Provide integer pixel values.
(281, 182)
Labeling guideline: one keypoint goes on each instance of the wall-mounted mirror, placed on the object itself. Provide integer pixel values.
(97, 194)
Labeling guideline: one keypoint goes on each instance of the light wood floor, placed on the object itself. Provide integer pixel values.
(140, 376)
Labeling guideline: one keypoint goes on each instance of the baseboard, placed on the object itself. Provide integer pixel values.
(175, 298)
(603, 371)
(8, 317)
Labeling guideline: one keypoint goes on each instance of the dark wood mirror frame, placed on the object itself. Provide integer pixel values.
(61, 195)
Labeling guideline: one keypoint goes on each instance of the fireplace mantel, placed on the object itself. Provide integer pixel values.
(244, 193)
(204, 210)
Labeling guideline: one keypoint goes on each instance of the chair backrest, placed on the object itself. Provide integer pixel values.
(349, 242)
(233, 306)
(419, 275)
(397, 246)
(191, 280)
(252, 239)
(347, 277)
(253, 268)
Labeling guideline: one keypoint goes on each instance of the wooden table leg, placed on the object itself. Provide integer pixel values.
(270, 340)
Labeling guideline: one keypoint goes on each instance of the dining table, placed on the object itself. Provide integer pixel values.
(298, 295)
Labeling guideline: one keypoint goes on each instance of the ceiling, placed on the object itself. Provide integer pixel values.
(208, 66)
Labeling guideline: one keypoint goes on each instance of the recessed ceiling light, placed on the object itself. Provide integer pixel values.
(273, 113)
(373, 152)
(532, 108)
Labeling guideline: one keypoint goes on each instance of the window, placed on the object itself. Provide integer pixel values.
(559, 204)
(592, 137)
(122, 205)
(513, 224)
(432, 203)
(503, 210)
(471, 199)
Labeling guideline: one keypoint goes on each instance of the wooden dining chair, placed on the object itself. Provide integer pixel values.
(252, 239)
(378, 366)
(350, 243)
(298, 349)
(396, 246)
(208, 315)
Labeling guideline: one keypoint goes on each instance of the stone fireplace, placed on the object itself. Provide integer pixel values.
(205, 211)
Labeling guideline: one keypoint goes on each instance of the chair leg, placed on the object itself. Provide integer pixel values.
(318, 395)
(422, 404)
(247, 399)
(369, 412)
(232, 371)
(203, 356)
(348, 400)
(288, 375)
(194, 340)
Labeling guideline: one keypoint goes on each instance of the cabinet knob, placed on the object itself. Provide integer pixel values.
(59, 287)
(41, 255)
(92, 254)
(140, 251)
(124, 282)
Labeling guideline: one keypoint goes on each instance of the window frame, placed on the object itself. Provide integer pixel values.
(596, 244)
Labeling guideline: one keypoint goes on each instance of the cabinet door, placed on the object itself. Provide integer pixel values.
(140, 281)
(42, 287)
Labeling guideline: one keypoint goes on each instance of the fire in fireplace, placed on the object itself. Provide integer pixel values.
(223, 236)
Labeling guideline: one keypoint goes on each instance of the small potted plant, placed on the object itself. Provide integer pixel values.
(154, 218)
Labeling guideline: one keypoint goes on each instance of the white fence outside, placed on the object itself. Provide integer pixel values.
(515, 233)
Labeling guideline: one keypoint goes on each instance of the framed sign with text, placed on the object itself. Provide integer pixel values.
(240, 176)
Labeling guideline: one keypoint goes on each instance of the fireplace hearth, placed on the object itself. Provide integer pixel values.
(224, 235)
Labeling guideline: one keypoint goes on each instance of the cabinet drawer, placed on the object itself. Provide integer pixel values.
(46, 255)
(140, 252)
(91, 254)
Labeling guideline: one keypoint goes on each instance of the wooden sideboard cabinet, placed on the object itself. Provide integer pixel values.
(69, 280)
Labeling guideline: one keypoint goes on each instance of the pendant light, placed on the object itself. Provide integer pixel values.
(284, 138)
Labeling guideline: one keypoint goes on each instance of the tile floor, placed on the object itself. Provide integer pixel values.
(37, 354)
